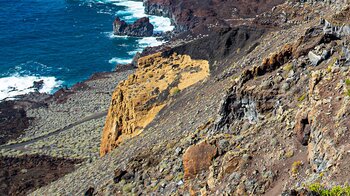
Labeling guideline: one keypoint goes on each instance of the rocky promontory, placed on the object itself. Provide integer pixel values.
(137, 100)
(140, 28)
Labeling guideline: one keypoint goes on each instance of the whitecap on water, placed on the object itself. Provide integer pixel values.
(135, 10)
(19, 85)
(161, 24)
(112, 36)
(135, 52)
(116, 60)
(149, 41)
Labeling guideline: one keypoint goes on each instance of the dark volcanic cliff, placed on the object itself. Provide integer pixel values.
(192, 14)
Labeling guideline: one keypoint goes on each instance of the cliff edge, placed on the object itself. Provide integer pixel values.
(137, 100)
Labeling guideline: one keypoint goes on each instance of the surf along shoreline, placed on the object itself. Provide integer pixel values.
(18, 121)
(23, 80)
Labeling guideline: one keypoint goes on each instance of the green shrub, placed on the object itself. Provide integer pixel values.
(295, 167)
(175, 91)
(302, 98)
(127, 188)
(347, 82)
(288, 67)
(348, 92)
(334, 191)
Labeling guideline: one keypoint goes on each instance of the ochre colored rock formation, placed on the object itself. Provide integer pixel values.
(136, 101)
(198, 158)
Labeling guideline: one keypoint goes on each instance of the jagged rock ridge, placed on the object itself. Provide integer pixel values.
(140, 28)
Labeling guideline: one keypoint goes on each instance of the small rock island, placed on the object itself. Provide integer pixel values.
(140, 28)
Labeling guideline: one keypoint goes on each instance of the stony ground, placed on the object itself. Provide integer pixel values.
(271, 117)
(80, 141)
(249, 114)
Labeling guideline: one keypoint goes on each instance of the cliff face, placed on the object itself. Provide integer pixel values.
(137, 100)
(187, 15)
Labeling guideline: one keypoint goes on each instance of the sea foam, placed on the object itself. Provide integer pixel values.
(19, 85)
(149, 41)
(135, 10)
(116, 60)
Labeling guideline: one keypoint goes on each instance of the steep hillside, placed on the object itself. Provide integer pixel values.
(271, 118)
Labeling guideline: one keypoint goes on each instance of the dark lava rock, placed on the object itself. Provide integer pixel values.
(21, 175)
(303, 128)
(13, 120)
(90, 192)
(37, 85)
(219, 43)
(124, 67)
(140, 28)
(118, 175)
(190, 14)
(123, 175)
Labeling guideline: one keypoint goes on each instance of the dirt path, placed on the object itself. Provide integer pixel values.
(88, 118)
(277, 187)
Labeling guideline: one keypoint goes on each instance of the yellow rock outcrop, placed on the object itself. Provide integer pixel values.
(137, 100)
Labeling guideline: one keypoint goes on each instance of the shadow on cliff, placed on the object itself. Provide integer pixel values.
(221, 44)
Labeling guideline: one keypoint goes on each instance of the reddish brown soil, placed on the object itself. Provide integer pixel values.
(20, 175)
(12, 121)
(191, 14)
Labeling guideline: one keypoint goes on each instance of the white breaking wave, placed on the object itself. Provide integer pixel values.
(149, 41)
(135, 51)
(19, 85)
(135, 10)
(112, 36)
(116, 60)
(161, 24)
(142, 42)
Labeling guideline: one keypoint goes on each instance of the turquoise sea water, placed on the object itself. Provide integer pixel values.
(64, 41)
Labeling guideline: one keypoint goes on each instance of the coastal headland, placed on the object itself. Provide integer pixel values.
(245, 98)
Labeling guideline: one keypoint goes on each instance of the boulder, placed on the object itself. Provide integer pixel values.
(90, 192)
(314, 58)
(37, 85)
(140, 28)
(119, 26)
(197, 158)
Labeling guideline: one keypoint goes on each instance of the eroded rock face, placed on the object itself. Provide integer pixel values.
(140, 28)
(191, 14)
(197, 158)
(303, 127)
(137, 101)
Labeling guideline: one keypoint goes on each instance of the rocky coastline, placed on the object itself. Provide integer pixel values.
(246, 99)
(42, 128)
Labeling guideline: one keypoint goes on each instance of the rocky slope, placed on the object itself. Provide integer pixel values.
(138, 100)
(199, 15)
(249, 105)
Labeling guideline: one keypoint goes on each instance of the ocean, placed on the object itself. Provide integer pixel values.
(63, 42)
